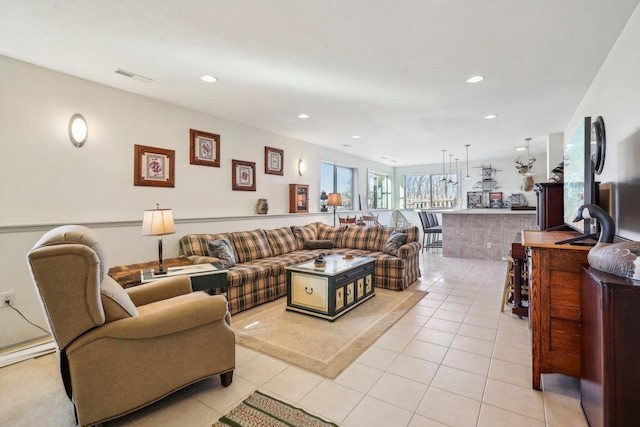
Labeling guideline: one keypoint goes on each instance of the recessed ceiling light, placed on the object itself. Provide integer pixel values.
(383, 158)
(346, 145)
(356, 136)
(392, 161)
(490, 116)
(475, 79)
(521, 148)
(303, 116)
(209, 79)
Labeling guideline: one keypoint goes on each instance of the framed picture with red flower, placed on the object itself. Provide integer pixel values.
(204, 149)
(153, 167)
(243, 175)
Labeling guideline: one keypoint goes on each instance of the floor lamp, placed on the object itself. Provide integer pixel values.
(158, 222)
(335, 200)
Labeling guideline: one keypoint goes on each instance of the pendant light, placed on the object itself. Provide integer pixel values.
(457, 181)
(444, 174)
(467, 145)
(528, 140)
(450, 181)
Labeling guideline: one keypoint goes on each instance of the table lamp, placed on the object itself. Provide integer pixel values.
(158, 222)
(335, 199)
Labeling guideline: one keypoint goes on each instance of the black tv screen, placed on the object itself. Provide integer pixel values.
(579, 187)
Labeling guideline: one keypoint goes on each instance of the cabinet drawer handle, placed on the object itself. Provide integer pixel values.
(307, 290)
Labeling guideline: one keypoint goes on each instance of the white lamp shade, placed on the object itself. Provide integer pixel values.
(301, 167)
(335, 199)
(157, 222)
(78, 130)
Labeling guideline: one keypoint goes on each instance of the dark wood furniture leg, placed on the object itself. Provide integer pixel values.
(226, 378)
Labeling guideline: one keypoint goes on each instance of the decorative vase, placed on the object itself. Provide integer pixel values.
(262, 207)
(320, 262)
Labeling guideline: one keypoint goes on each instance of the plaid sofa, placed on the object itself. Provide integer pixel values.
(262, 256)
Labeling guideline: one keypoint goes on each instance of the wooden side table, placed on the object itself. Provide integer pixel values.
(129, 275)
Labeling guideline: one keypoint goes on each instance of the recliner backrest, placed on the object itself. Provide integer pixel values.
(68, 266)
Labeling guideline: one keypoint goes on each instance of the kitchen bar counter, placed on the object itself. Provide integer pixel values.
(483, 233)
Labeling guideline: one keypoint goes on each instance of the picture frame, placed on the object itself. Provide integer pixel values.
(204, 148)
(474, 199)
(273, 161)
(153, 167)
(243, 175)
(495, 200)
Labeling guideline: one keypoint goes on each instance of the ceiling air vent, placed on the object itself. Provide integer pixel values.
(133, 75)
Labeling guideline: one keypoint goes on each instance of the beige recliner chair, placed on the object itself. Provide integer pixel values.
(121, 350)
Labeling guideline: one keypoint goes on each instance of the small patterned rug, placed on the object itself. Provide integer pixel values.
(260, 410)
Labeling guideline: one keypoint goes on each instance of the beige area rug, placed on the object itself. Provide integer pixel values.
(318, 345)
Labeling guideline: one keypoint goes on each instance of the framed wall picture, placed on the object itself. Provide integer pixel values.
(243, 175)
(204, 149)
(273, 161)
(474, 199)
(154, 167)
(495, 200)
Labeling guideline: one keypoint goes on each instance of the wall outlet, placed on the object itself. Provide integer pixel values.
(6, 298)
(488, 245)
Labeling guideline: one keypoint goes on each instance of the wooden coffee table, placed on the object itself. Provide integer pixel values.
(333, 290)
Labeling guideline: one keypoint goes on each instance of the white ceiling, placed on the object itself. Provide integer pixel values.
(391, 71)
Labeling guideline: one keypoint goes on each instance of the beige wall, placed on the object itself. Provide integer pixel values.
(615, 95)
(45, 180)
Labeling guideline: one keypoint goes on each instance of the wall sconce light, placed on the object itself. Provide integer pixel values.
(78, 130)
(301, 167)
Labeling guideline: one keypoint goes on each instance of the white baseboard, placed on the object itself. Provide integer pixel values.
(28, 351)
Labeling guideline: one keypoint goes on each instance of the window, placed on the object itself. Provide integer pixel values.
(430, 191)
(379, 191)
(337, 179)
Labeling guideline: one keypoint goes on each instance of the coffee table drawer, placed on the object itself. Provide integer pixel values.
(309, 291)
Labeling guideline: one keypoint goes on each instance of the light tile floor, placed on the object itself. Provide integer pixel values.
(453, 360)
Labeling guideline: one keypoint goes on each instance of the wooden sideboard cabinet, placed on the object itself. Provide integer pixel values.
(550, 205)
(610, 378)
(554, 298)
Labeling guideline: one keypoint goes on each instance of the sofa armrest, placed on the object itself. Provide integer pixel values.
(160, 289)
(175, 319)
(409, 249)
(198, 259)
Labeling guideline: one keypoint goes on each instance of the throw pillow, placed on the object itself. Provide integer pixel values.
(394, 242)
(223, 250)
(318, 244)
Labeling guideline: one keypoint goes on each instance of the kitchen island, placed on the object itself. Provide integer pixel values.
(483, 233)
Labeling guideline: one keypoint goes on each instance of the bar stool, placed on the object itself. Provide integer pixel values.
(508, 287)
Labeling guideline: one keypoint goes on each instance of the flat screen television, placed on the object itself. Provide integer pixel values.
(579, 185)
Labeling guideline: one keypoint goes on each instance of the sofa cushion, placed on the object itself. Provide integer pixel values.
(328, 232)
(413, 235)
(360, 237)
(281, 241)
(198, 244)
(394, 242)
(251, 245)
(304, 233)
(318, 244)
(241, 274)
(223, 250)
(115, 301)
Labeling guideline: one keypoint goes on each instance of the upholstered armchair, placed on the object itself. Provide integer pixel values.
(121, 350)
